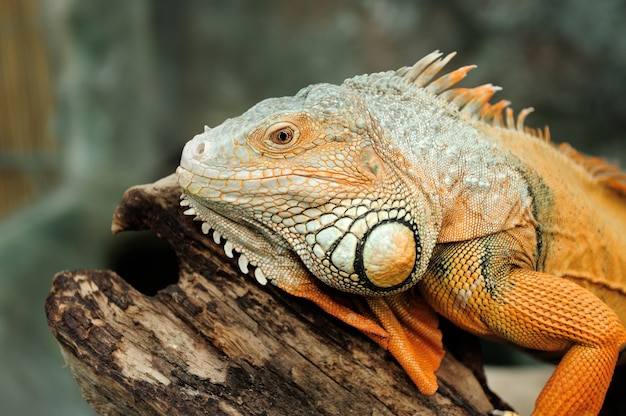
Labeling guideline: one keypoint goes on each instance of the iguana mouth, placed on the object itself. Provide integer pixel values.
(217, 180)
(247, 243)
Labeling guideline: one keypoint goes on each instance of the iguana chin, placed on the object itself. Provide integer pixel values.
(419, 198)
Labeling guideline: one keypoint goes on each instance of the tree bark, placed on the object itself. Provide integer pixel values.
(218, 343)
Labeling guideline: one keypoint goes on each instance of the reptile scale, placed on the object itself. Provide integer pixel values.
(424, 199)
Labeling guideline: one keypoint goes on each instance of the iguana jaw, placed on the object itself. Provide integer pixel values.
(252, 244)
(357, 245)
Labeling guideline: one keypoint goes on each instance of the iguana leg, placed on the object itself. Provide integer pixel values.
(549, 313)
(477, 286)
(414, 338)
(403, 324)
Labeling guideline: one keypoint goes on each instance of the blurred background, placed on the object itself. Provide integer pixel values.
(101, 95)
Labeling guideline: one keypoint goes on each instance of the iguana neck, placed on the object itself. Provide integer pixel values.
(471, 186)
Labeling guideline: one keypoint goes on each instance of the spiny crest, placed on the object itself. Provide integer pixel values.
(475, 102)
(605, 173)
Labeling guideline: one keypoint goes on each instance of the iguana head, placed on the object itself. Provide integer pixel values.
(300, 180)
(317, 183)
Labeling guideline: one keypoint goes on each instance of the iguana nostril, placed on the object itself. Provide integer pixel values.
(200, 148)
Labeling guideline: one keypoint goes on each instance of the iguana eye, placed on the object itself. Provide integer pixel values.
(282, 136)
(278, 140)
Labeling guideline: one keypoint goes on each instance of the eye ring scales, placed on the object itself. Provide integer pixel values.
(281, 135)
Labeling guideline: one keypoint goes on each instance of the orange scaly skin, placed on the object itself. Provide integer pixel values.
(414, 198)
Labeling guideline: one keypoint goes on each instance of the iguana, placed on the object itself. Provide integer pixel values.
(417, 198)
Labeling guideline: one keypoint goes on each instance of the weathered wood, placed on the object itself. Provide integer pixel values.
(218, 343)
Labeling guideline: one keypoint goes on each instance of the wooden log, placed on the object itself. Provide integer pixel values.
(218, 343)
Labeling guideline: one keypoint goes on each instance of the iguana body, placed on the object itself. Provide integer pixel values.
(396, 188)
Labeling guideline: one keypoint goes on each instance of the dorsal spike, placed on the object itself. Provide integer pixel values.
(521, 117)
(546, 133)
(498, 117)
(457, 96)
(426, 68)
(410, 73)
(510, 119)
(453, 93)
(491, 112)
(431, 71)
(444, 82)
(479, 97)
